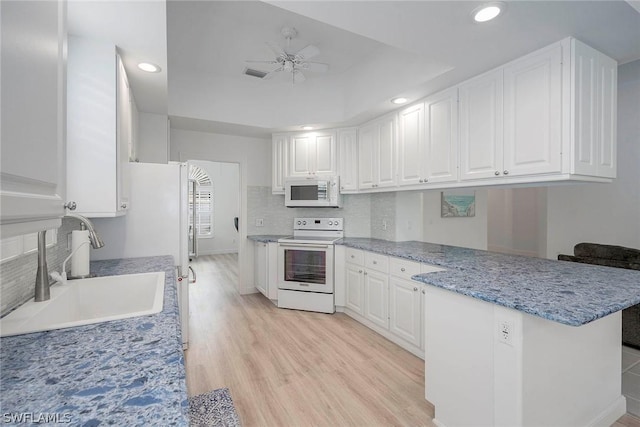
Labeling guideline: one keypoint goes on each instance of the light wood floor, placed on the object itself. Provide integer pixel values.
(294, 368)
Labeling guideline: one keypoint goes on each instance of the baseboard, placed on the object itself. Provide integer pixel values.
(611, 414)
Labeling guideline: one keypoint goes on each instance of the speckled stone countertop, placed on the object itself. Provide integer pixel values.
(565, 292)
(267, 238)
(125, 372)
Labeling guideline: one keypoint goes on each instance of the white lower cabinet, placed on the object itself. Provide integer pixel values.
(378, 292)
(376, 297)
(405, 310)
(264, 269)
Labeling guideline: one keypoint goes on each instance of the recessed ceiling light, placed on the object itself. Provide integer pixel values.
(399, 100)
(307, 127)
(487, 12)
(148, 67)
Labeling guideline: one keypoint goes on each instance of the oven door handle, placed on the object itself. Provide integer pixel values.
(301, 245)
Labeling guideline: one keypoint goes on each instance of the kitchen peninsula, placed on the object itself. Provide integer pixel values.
(518, 341)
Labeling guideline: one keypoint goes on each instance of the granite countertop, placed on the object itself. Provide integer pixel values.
(125, 372)
(267, 238)
(565, 292)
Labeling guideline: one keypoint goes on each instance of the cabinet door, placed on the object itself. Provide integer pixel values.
(33, 116)
(481, 122)
(607, 116)
(301, 150)
(376, 293)
(367, 143)
(410, 145)
(405, 310)
(533, 113)
(385, 154)
(440, 156)
(279, 163)
(324, 155)
(354, 288)
(260, 261)
(125, 136)
(348, 159)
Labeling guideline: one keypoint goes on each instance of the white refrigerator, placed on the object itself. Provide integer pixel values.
(156, 223)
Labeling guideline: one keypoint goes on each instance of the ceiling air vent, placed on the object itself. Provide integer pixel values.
(255, 73)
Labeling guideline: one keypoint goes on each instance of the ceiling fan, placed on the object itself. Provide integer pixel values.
(293, 63)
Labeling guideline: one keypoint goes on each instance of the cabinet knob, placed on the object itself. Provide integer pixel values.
(71, 206)
(359, 271)
(506, 172)
(426, 180)
(402, 269)
(423, 291)
(422, 180)
(415, 289)
(497, 173)
(375, 262)
(365, 273)
(342, 187)
(353, 256)
(123, 206)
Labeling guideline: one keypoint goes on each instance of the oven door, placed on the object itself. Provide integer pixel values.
(305, 267)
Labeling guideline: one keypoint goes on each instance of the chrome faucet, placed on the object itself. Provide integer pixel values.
(42, 292)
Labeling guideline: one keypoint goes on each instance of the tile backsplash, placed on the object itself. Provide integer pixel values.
(19, 274)
(356, 210)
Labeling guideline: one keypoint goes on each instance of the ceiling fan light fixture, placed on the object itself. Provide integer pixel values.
(488, 11)
(307, 127)
(399, 100)
(149, 67)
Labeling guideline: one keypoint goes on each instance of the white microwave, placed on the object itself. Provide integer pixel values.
(312, 192)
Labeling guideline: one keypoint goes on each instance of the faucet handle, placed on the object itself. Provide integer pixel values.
(70, 205)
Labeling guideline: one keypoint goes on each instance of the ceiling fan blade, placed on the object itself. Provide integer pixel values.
(316, 67)
(298, 77)
(277, 50)
(261, 62)
(307, 53)
(270, 74)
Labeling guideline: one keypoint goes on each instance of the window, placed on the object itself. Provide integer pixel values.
(200, 201)
(204, 210)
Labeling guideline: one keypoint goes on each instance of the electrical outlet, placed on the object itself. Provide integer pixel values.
(259, 222)
(505, 332)
(384, 224)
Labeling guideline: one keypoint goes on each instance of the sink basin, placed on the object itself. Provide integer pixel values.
(86, 301)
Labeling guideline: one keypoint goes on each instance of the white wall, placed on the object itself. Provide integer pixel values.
(153, 138)
(516, 221)
(604, 213)
(225, 178)
(468, 232)
(254, 157)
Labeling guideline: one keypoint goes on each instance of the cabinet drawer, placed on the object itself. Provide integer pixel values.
(376, 262)
(427, 268)
(403, 268)
(355, 256)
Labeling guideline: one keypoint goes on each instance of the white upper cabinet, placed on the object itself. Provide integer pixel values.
(279, 147)
(313, 153)
(481, 122)
(100, 128)
(594, 116)
(440, 156)
(33, 116)
(533, 113)
(348, 159)
(377, 153)
(411, 145)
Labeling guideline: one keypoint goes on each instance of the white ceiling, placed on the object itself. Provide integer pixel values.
(376, 50)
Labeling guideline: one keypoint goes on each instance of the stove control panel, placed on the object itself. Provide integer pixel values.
(329, 224)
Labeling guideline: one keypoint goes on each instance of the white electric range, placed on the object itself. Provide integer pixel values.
(306, 265)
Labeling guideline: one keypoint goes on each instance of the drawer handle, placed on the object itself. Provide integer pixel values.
(402, 269)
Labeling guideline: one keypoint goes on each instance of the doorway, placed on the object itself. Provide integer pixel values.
(215, 209)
